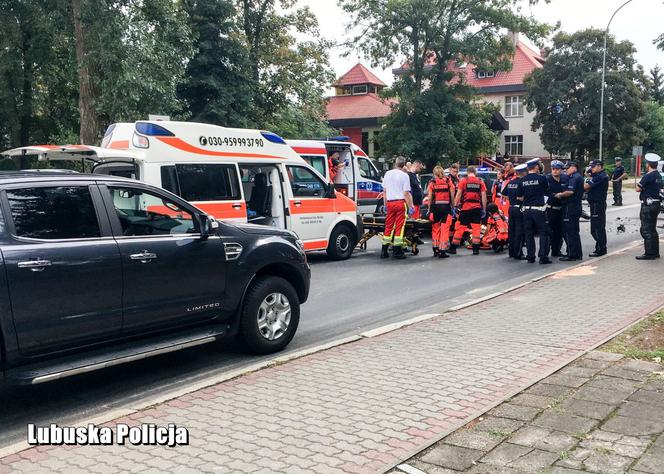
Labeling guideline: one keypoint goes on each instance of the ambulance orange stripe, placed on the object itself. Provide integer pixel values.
(184, 146)
(223, 210)
(119, 144)
(309, 150)
(308, 206)
(315, 245)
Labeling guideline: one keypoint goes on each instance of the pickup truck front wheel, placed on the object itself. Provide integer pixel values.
(270, 315)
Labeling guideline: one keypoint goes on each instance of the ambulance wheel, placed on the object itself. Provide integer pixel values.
(341, 243)
(270, 315)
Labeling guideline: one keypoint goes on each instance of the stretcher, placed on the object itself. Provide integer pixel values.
(374, 224)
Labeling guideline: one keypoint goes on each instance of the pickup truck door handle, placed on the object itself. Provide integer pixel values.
(144, 256)
(297, 203)
(237, 206)
(35, 265)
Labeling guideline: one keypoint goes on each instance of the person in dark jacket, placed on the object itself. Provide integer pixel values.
(555, 208)
(649, 189)
(416, 189)
(597, 187)
(617, 177)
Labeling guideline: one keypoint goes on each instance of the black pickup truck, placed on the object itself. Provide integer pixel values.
(100, 270)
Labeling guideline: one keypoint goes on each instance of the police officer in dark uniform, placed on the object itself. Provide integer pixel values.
(572, 198)
(597, 187)
(649, 192)
(532, 191)
(515, 217)
(554, 207)
(617, 177)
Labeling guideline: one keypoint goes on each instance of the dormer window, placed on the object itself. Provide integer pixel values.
(485, 74)
(360, 90)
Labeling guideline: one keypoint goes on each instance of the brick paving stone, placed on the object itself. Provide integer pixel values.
(565, 422)
(597, 411)
(475, 439)
(641, 410)
(546, 389)
(452, 457)
(566, 380)
(649, 396)
(535, 401)
(633, 426)
(515, 412)
(544, 439)
(653, 460)
(602, 395)
(505, 454)
(497, 424)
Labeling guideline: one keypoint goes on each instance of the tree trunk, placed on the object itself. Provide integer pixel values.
(88, 93)
(25, 122)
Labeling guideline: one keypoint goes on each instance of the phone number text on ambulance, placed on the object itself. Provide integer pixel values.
(232, 141)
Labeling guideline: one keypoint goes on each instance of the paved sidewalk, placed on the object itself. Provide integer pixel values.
(367, 406)
(601, 414)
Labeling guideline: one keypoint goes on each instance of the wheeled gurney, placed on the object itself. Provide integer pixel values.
(374, 224)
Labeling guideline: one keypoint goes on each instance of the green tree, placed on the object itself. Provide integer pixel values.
(218, 86)
(438, 125)
(130, 57)
(653, 125)
(286, 69)
(35, 72)
(432, 35)
(565, 95)
(656, 85)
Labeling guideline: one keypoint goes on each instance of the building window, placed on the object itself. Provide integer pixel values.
(485, 74)
(360, 90)
(514, 145)
(514, 106)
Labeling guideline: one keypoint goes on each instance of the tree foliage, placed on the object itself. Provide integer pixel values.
(565, 95)
(656, 85)
(428, 36)
(653, 125)
(69, 68)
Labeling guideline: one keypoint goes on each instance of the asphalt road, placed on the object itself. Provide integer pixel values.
(346, 298)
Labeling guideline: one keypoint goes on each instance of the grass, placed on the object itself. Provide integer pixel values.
(644, 340)
(497, 433)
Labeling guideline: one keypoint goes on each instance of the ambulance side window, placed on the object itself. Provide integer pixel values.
(304, 183)
(367, 170)
(202, 182)
(316, 162)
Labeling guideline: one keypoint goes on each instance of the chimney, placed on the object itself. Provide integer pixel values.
(514, 36)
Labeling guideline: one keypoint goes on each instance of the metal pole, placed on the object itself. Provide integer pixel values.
(601, 107)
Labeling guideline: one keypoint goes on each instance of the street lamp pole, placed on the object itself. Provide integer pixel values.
(601, 107)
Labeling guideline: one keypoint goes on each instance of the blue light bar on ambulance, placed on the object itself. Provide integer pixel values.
(152, 130)
(340, 138)
(273, 137)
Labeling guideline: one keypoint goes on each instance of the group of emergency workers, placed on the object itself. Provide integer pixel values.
(533, 204)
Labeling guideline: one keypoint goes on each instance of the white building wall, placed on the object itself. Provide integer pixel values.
(532, 145)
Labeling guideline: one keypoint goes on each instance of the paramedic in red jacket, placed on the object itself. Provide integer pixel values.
(441, 199)
(471, 200)
(398, 204)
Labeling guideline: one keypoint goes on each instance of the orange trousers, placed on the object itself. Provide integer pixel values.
(440, 234)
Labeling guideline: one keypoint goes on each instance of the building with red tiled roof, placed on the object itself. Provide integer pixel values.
(507, 90)
(356, 108)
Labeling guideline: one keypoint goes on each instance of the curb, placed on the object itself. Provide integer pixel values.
(220, 378)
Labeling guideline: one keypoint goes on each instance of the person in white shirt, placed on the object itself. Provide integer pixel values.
(399, 204)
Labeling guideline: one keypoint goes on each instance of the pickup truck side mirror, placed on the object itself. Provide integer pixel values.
(209, 226)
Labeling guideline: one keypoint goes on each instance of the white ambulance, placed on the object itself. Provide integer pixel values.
(232, 174)
(357, 177)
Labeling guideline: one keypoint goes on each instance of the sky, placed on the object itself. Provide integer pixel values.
(639, 22)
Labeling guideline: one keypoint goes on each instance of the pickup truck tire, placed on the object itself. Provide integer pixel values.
(341, 244)
(270, 315)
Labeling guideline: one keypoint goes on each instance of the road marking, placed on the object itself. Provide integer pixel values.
(408, 469)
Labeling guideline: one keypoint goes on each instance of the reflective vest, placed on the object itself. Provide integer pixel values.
(441, 188)
(473, 192)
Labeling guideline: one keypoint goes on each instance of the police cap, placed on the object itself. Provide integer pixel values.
(532, 163)
(617, 159)
(520, 168)
(596, 163)
(571, 164)
(653, 158)
(557, 164)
